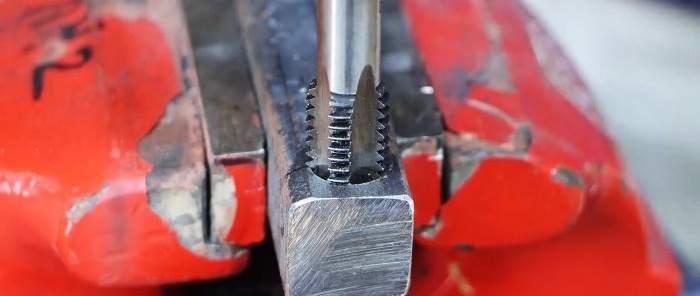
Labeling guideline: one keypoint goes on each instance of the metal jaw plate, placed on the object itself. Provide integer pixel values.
(353, 239)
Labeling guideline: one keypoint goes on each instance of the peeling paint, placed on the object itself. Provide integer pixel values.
(429, 231)
(84, 205)
(223, 201)
(567, 176)
(459, 174)
(522, 139)
(177, 184)
(181, 210)
(466, 151)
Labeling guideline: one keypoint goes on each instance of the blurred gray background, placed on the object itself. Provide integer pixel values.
(641, 59)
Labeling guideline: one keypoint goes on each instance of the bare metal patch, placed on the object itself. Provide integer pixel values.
(521, 140)
(178, 185)
(180, 208)
(567, 176)
(85, 205)
(223, 201)
(466, 151)
(430, 231)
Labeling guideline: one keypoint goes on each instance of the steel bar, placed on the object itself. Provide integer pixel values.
(354, 239)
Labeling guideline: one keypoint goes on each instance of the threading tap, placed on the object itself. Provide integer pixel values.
(347, 111)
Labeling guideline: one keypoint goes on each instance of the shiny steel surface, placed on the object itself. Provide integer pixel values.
(348, 41)
(347, 111)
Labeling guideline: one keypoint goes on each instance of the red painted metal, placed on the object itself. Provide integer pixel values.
(491, 89)
(547, 209)
(81, 89)
(249, 222)
(613, 249)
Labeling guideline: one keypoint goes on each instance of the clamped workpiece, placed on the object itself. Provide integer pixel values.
(129, 162)
(339, 206)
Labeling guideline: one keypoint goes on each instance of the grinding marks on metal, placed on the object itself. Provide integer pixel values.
(330, 239)
(360, 249)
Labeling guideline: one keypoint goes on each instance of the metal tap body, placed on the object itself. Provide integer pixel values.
(347, 110)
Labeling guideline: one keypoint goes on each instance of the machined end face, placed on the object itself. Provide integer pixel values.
(362, 247)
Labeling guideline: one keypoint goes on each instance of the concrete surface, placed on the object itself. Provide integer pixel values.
(642, 60)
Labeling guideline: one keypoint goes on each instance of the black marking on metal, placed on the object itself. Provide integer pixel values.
(38, 73)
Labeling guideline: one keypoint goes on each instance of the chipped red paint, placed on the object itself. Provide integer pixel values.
(79, 92)
(527, 197)
(551, 216)
(475, 108)
(613, 249)
(540, 216)
(249, 222)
